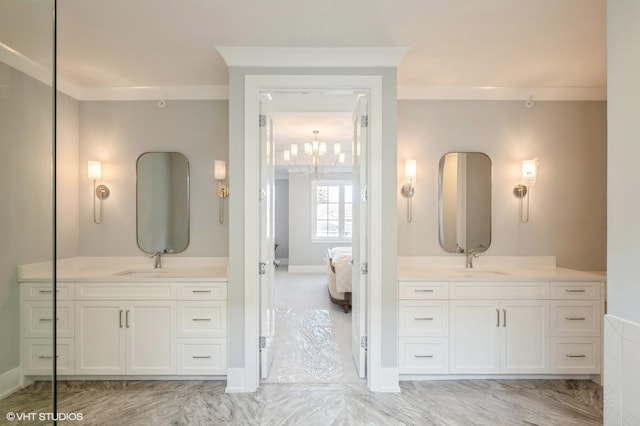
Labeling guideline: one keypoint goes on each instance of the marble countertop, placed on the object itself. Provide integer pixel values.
(127, 269)
(495, 268)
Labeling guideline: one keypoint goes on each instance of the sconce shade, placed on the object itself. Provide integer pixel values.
(219, 170)
(410, 168)
(94, 170)
(530, 170)
(287, 155)
(294, 149)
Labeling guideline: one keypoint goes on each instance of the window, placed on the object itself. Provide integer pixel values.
(332, 219)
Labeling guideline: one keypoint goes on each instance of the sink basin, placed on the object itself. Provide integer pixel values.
(480, 271)
(143, 273)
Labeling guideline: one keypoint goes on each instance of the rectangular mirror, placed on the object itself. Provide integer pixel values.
(465, 202)
(162, 187)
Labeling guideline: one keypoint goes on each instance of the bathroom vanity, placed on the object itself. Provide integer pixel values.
(122, 317)
(511, 316)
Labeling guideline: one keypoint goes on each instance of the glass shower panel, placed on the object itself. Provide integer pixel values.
(27, 144)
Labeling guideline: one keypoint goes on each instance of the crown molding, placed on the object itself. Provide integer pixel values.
(496, 93)
(312, 56)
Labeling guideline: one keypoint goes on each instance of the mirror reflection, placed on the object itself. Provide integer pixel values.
(162, 202)
(465, 202)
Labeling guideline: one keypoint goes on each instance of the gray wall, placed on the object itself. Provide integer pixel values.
(624, 151)
(282, 218)
(389, 179)
(116, 133)
(568, 201)
(26, 188)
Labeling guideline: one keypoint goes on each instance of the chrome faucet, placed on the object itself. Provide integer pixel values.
(470, 255)
(157, 258)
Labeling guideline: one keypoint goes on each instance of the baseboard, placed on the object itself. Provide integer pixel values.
(307, 269)
(10, 382)
(389, 381)
(237, 381)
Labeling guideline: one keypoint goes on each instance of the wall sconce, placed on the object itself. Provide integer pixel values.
(408, 189)
(521, 191)
(220, 174)
(94, 172)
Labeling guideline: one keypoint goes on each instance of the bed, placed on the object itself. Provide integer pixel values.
(339, 276)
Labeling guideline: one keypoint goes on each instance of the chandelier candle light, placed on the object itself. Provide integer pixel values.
(315, 150)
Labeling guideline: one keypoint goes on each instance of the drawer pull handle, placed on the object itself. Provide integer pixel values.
(423, 318)
(422, 356)
(575, 318)
(201, 319)
(200, 291)
(423, 290)
(497, 317)
(47, 291)
(201, 356)
(575, 356)
(126, 319)
(121, 312)
(47, 319)
(568, 290)
(47, 356)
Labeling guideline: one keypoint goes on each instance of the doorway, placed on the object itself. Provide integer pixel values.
(371, 300)
(312, 143)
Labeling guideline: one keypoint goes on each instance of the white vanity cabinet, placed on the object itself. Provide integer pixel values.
(486, 328)
(124, 335)
(37, 328)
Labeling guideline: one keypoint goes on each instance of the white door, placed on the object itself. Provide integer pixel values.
(100, 337)
(475, 328)
(360, 229)
(267, 240)
(151, 337)
(524, 336)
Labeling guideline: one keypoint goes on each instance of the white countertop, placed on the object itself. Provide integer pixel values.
(127, 269)
(489, 268)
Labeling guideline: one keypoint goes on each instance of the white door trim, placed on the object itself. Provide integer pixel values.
(254, 84)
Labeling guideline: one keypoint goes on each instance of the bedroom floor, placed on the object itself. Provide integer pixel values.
(313, 382)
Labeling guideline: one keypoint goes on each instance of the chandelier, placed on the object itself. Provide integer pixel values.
(315, 161)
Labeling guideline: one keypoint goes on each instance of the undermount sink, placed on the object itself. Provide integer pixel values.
(480, 271)
(142, 273)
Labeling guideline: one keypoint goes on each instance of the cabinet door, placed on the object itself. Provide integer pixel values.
(151, 337)
(100, 337)
(474, 337)
(524, 336)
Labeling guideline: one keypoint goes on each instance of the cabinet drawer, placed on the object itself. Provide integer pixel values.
(575, 355)
(423, 290)
(202, 356)
(126, 291)
(499, 290)
(43, 291)
(424, 318)
(38, 357)
(424, 356)
(37, 319)
(575, 290)
(202, 291)
(575, 318)
(202, 319)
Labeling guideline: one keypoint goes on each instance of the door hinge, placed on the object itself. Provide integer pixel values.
(262, 120)
(262, 268)
(364, 268)
(263, 342)
(263, 195)
(363, 342)
(364, 121)
(364, 194)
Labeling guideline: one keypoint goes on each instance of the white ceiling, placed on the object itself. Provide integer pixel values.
(514, 43)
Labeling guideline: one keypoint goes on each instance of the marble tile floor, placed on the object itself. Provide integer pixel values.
(469, 402)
